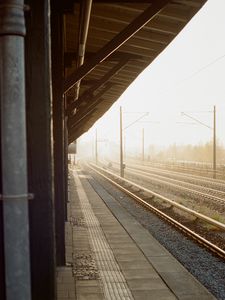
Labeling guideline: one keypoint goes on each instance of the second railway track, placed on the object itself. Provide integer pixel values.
(216, 184)
(213, 197)
(209, 193)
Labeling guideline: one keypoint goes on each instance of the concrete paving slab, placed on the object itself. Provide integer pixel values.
(87, 283)
(153, 250)
(184, 284)
(196, 297)
(164, 263)
(140, 273)
(127, 265)
(65, 283)
(117, 245)
(154, 295)
(90, 296)
(88, 289)
(121, 240)
(146, 284)
(131, 258)
(127, 251)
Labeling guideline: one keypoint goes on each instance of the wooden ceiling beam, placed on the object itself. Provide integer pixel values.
(159, 24)
(70, 57)
(75, 133)
(72, 122)
(103, 25)
(88, 93)
(115, 43)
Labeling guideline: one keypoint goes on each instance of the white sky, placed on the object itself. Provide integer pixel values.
(189, 75)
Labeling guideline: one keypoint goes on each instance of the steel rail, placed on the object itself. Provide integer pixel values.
(166, 181)
(208, 196)
(173, 203)
(179, 173)
(215, 249)
(188, 176)
(189, 169)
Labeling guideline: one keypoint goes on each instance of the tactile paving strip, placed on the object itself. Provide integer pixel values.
(114, 283)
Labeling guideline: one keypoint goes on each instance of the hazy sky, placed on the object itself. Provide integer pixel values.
(188, 76)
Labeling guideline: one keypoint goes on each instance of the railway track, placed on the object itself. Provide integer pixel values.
(202, 191)
(199, 171)
(203, 181)
(163, 206)
(208, 193)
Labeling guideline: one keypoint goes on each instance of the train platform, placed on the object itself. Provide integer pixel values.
(111, 256)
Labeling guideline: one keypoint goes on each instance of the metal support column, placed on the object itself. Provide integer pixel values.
(2, 265)
(66, 170)
(40, 150)
(13, 148)
(58, 128)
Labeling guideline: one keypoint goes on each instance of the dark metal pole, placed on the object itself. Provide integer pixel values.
(66, 143)
(96, 146)
(214, 141)
(40, 150)
(58, 128)
(85, 11)
(121, 144)
(14, 155)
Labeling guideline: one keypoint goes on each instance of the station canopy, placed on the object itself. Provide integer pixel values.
(107, 44)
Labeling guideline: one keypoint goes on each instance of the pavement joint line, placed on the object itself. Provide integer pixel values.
(115, 286)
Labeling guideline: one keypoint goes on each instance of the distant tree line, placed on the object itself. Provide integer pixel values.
(194, 153)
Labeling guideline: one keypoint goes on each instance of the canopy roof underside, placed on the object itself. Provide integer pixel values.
(118, 48)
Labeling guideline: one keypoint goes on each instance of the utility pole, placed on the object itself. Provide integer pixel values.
(214, 142)
(214, 135)
(122, 166)
(121, 144)
(96, 146)
(143, 145)
(124, 147)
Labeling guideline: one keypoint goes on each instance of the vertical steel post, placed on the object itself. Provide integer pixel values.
(66, 163)
(214, 141)
(121, 144)
(40, 150)
(58, 128)
(96, 146)
(143, 145)
(14, 155)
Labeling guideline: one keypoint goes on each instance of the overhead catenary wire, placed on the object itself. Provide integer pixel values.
(196, 73)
